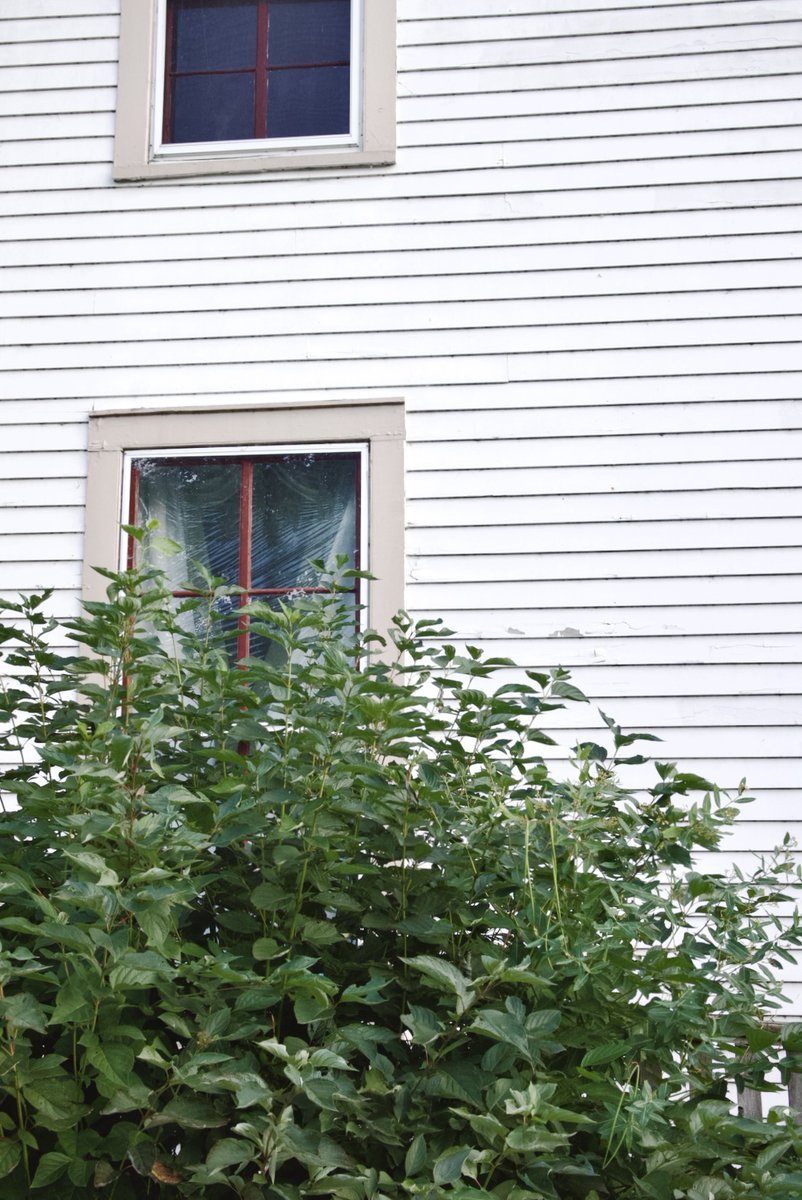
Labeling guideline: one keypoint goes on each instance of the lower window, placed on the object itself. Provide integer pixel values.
(259, 497)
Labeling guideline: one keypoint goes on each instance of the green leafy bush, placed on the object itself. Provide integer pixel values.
(304, 926)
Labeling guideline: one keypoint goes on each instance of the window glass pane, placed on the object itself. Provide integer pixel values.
(197, 505)
(308, 103)
(304, 507)
(213, 35)
(308, 31)
(212, 108)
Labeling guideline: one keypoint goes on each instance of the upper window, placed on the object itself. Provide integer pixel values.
(243, 85)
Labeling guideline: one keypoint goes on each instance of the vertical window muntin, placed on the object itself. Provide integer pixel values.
(253, 145)
(246, 460)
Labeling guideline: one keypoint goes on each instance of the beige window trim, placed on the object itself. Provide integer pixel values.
(134, 158)
(379, 423)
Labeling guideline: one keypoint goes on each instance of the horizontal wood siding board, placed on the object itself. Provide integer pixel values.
(597, 50)
(656, 311)
(625, 619)
(554, 345)
(601, 538)
(503, 247)
(597, 19)
(573, 650)
(437, 124)
(470, 223)
(331, 198)
(655, 564)
(569, 10)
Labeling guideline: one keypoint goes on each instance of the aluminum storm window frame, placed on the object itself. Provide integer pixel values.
(165, 148)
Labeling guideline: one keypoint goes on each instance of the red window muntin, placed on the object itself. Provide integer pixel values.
(247, 519)
(261, 71)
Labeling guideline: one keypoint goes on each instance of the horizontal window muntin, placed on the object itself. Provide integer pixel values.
(247, 145)
(255, 519)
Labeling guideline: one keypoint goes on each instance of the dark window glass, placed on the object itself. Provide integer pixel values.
(240, 69)
(301, 32)
(212, 108)
(308, 103)
(214, 35)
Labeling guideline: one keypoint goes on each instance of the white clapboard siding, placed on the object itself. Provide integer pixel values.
(648, 564)
(31, 240)
(426, 15)
(34, 11)
(583, 276)
(552, 244)
(495, 150)
(633, 106)
(530, 23)
(585, 538)
(52, 31)
(624, 621)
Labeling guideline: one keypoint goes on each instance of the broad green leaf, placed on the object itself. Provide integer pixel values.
(228, 1152)
(606, 1053)
(106, 877)
(10, 1154)
(542, 1021)
(416, 1156)
(423, 1024)
(448, 1167)
(772, 1154)
(143, 1155)
(134, 1097)
(105, 1174)
(57, 1102)
(74, 1002)
(327, 1059)
(135, 970)
(51, 1167)
(23, 1011)
(190, 1112)
(115, 1062)
(320, 933)
(502, 1026)
(264, 949)
(446, 978)
(269, 895)
(535, 1139)
(155, 920)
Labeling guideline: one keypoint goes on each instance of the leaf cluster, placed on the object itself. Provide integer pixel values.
(316, 925)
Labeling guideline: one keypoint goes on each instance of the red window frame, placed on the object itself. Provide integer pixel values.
(246, 521)
(261, 76)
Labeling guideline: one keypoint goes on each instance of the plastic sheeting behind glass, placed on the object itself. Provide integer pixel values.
(197, 505)
(304, 507)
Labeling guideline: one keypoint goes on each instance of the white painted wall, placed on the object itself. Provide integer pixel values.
(583, 276)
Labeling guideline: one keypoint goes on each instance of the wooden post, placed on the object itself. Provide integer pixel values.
(795, 1095)
(750, 1103)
